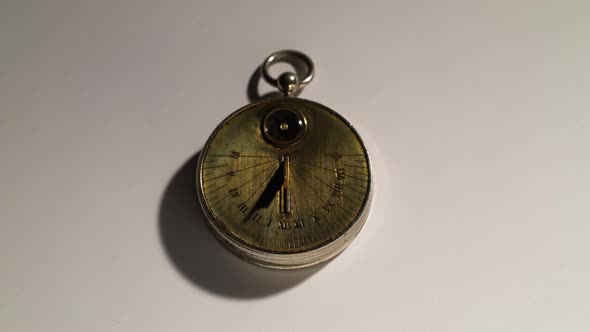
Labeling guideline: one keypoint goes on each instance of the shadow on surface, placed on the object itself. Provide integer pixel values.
(200, 258)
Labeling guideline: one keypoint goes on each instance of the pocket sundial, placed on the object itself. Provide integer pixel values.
(285, 182)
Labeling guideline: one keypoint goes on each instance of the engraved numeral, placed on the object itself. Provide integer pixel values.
(234, 192)
(269, 222)
(284, 224)
(336, 156)
(337, 189)
(299, 223)
(243, 207)
(315, 217)
(256, 217)
(234, 154)
(328, 206)
(340, 174)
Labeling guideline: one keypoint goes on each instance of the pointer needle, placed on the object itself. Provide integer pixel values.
(285, 192)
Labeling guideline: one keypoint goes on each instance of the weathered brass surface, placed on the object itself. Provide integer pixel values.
(324, 180)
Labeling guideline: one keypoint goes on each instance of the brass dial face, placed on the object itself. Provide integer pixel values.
(283, 176)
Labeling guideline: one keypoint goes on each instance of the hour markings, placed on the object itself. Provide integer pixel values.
(350, 200)
(360, 186)
(328, 206)
(256, 217)
(243, 207)
(230, 155)
(217, 200)
(284, 224)
(336, 156)
(343, 154)
(355, 166)
(354, 189)
(253, 166)
(299, 223)
(214, 166)
(214, 190)
(340, 172)
(337, 189)
(233, 173)
(315, 218)
(306, 184)
(332, 208)
(290, 224)
(355, 177)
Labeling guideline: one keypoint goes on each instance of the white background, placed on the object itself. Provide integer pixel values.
(476, 114)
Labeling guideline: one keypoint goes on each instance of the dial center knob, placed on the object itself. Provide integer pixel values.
(284, 127)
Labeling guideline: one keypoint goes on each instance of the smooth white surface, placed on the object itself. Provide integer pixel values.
(476, 114)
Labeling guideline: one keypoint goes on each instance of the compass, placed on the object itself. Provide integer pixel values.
(285, 182)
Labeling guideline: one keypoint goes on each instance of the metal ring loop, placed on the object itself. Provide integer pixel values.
(295, 58)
